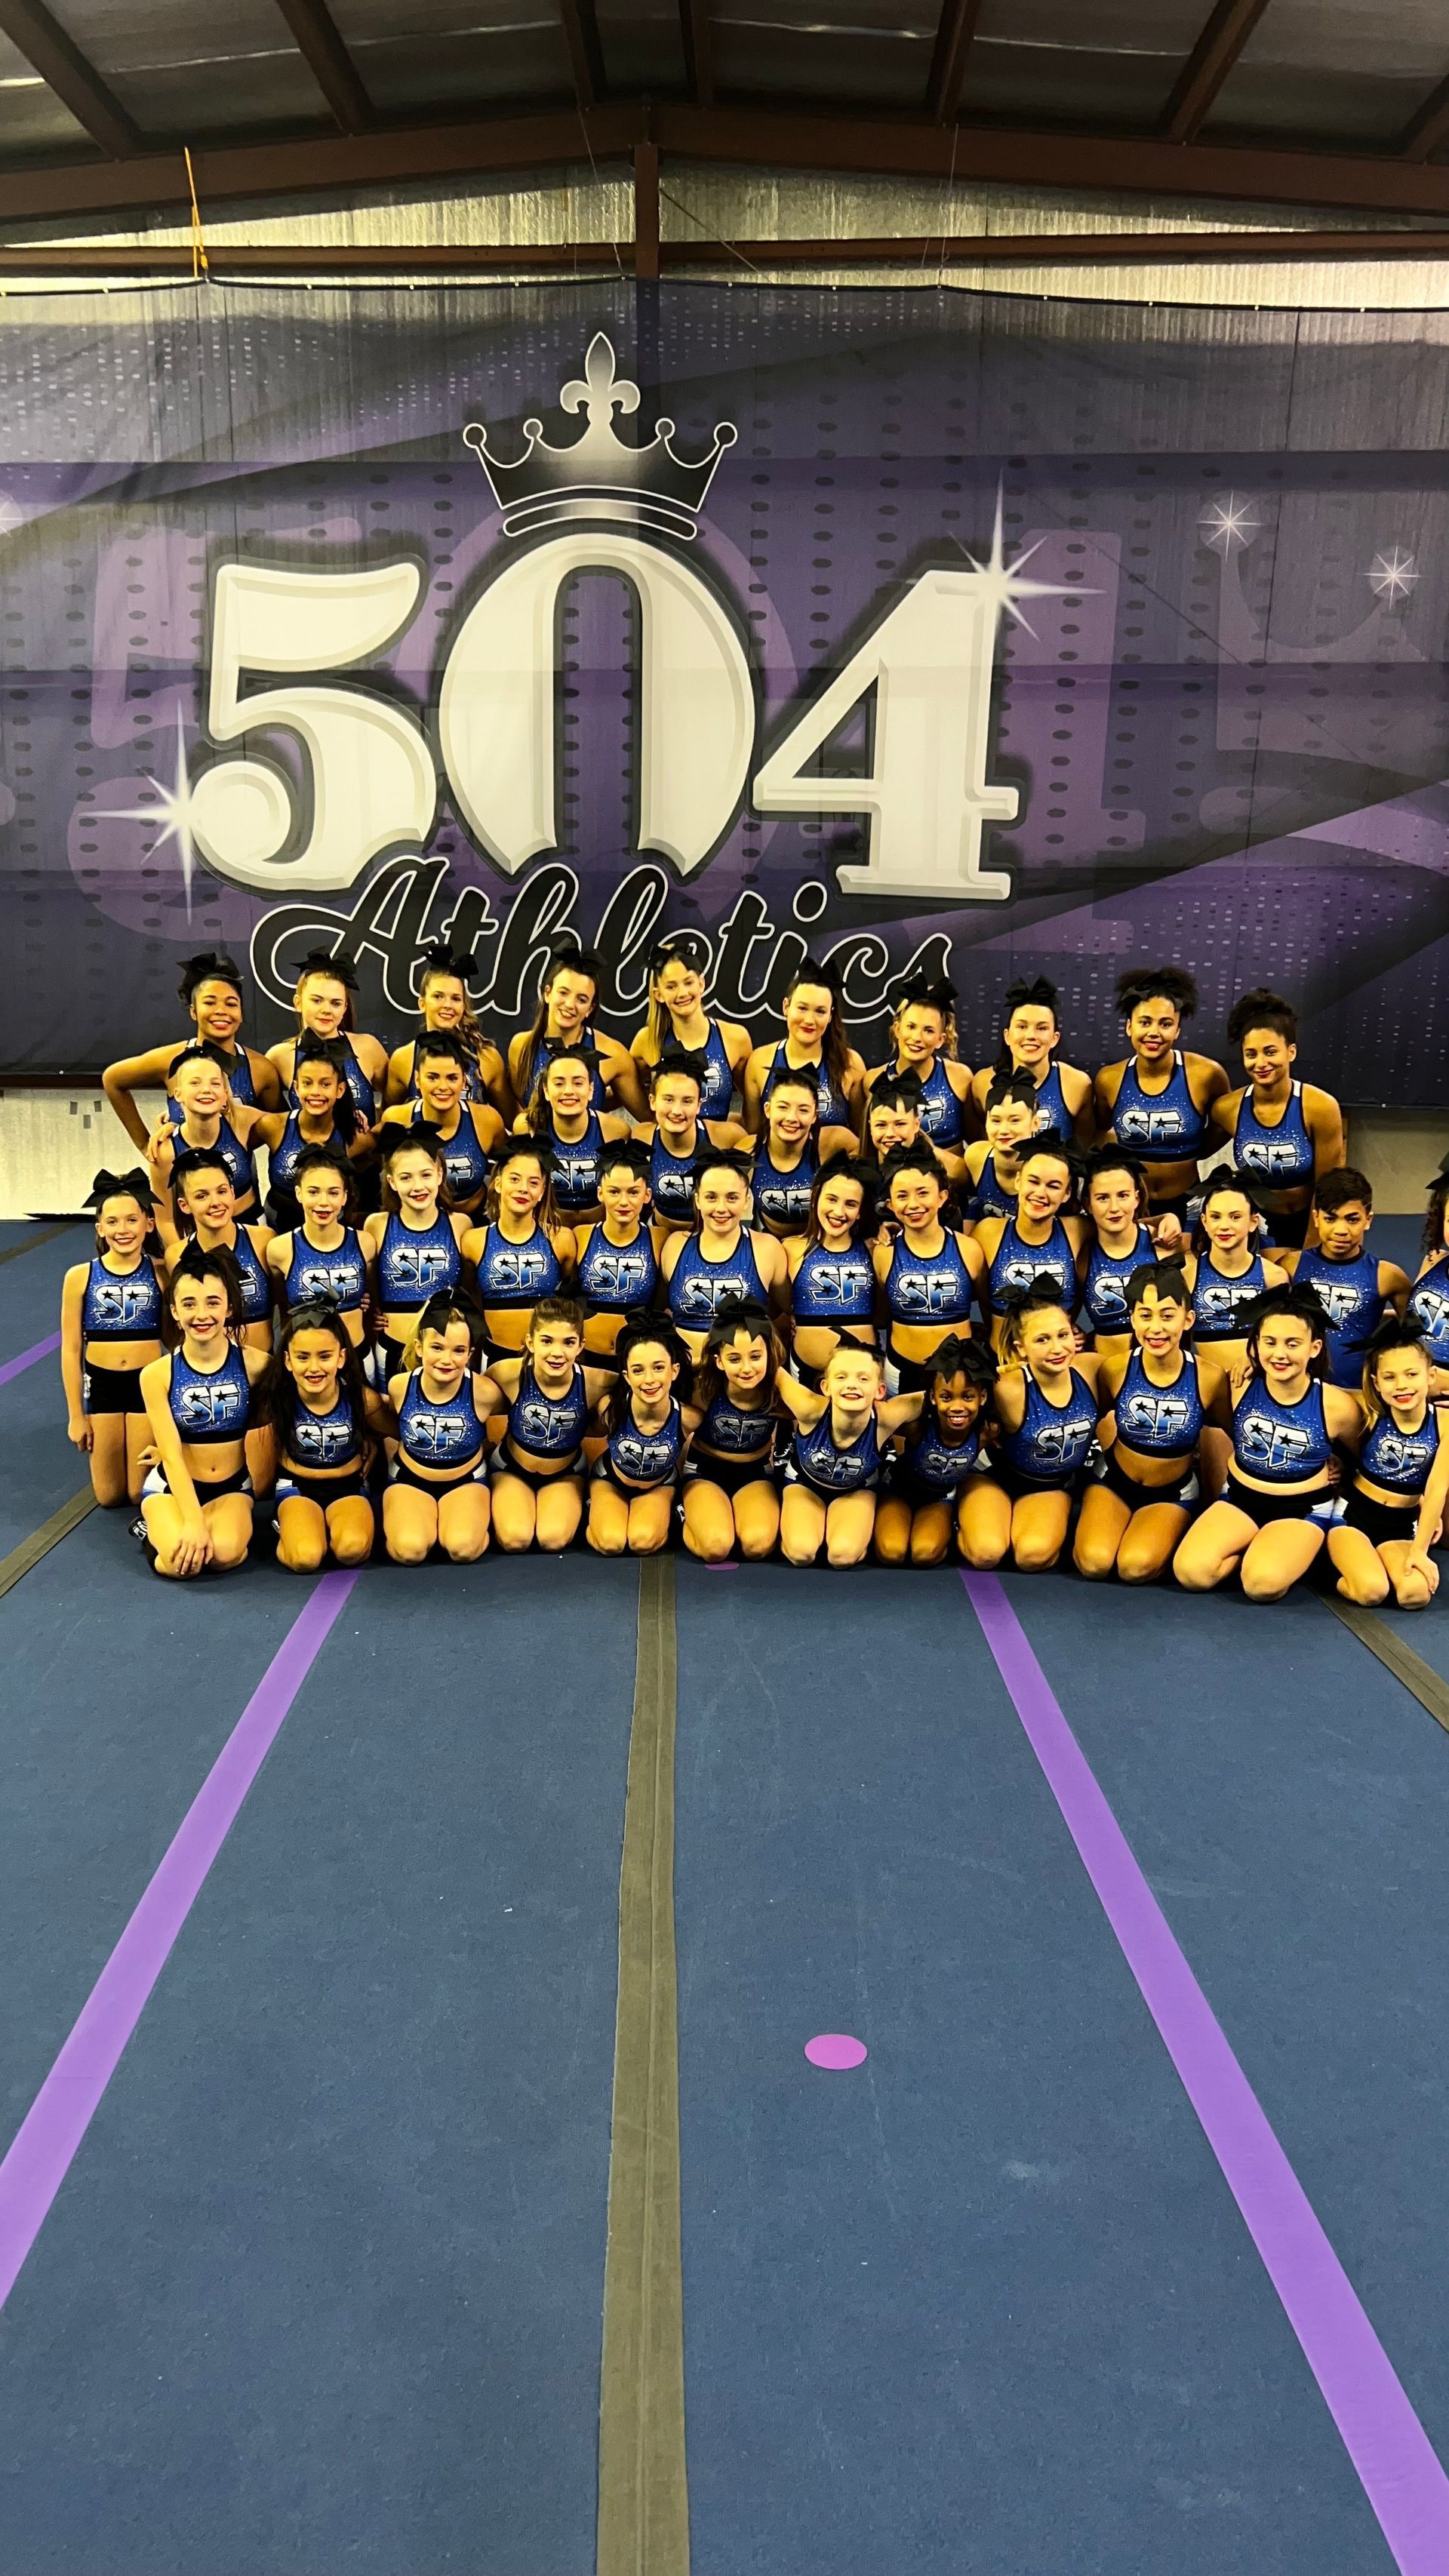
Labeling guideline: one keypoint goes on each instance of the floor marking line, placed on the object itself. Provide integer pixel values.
(27, 1359)
(1428, 1687)
(63, 2109)
(47, 1234)
(40, 1542)
(643, 2525)
(1397, 2467)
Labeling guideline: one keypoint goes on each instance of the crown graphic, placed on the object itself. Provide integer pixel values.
(598, 477)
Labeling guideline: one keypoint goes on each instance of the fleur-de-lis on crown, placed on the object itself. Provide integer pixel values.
(598, 476)
(599, 393)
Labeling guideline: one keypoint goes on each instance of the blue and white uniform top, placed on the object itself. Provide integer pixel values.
(340, 1274)
(1281, 1157)
(416, 1263)
(121, 1305)
(517, 1274)
(990, 1197)
(548, 1426)
(928, 1287)
(439, 1434)
(1052, 1444)
(239, 1075)
(465, 1160)
(614, 1278)
(834, 1107)
(320, 1442)
(1218, 1302)
(1428, 1308)
(1051, 1106)
(576, 1166)
(672, 1178)
(931, 1465)
(1280, 1444)
(718, 1087)
(290, 1146)
(1104, 1289)
(256, 1280)
(209, 1405)
(1159, 1421)
(783, 1198)
(1018, 1264)
(1348, 1292)
(647, 1458)
(363, 1090)
(818, 1460)
(733, 1433)
(239, 1161)
(940, 1108)
(699, 1287)
(834, 1287)
(1164, 1126)
(1400, 1460)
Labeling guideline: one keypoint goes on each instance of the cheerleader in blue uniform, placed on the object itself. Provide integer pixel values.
(677, 1132)
(992, 1173)
(568, 1002)
(208, 1116)
(440, 1399)
(1045, 1404)
(1285, 1134)
(520, 1252)
(325, 1114)
(1428, 1306)
(786, 1161)
(731, 1496)
(467, 1130)
(926, 1482)
(923, 1036)
(539, 1466)
(725, 1256)
(1226, 1269)
(833, 1466)
(1114, 1194)
(323, 1256)
(834, 1292)
(1030, 1037)
(815, 1043)
(927, 1268)
(414, 1246)
(110, 1330)
(325, 1423)
(892, 1115)
(1278, 1506)
(618, 1255)
(211, 988)
(444, 1010)
(197, 1499)
(562, 1116)
(1157, 1105)
(645, 1420)
(324, 1007)
(201, 1208)
(678, 1025)
(1355, 1289)
(1158, 1395)
(1394, 1512)
(1042, 1239)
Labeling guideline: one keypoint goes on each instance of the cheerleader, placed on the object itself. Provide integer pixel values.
(1352, 1285)
(834, 1292)
(204, 1113)
(731, 1497)
(992, 1173)
(203, 1197)
(561, 1112)
(539, 1465)
(926, 1481)
(1157, 1104)
(322, 1419)
(568, 999)
(1394, 1511)
(928, 1270)
(923, 1040)
(815, 1043)
(1285, 1134)
(1046, 1405)
(1043, 1238)
(1278, 1507)
(1226, 1271)
(833, 1469)
(211, 989)
(646, 1420)
(444, 1010)
(678, 1025)
(617, 1254)
(325, 1114)
(1157, 1396)
(520, 1252)
(322, 999)
(437, 1494)
(197, 1499)
(322, 1258)
(1029, 1041)
(1118, 1242)
(678, 1132)
(415, 1247)
(466, 1131)
(1428, 1306)
(723, 1256)
(892, 1115)
(786, 1160)
(110, 1330)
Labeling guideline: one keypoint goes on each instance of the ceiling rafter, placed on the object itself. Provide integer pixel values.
(1207, 67)
(955, 35)
(1423, 136)
(586, 54)
(694, 28)
(330, 63)
(64, 69)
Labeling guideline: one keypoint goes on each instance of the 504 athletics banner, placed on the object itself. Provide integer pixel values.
(976, 634)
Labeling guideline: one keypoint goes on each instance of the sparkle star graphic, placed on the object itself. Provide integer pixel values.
(1392, 576)
(1003, 580)
(1229, 524)
(172, 810)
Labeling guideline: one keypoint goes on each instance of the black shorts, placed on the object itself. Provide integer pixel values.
(1175, 1206)
(238, 1482)
(1185, 1493)
(902, 1487)
(731, 1475)
(473, 1474)
(294, 1485)
(602, 1473)
(795, 1475)
(504, 1464)
(1287, 1231)
(1319, 1504)
(109, 1390)
(1380, 1522)
(1018, 1487)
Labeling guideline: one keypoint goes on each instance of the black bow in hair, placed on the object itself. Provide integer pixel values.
(135, 1184)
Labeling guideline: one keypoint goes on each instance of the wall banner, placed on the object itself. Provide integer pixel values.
(972, 633)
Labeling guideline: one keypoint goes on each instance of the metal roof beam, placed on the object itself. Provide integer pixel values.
(1429, 128)
(694, 29)
(1207, 67)
(330, 63)
(955, 34)
(64, 69)
(586, 54)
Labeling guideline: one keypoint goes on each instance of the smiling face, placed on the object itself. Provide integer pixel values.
(200, 1309)
(676, 1098)
(890, 1126)
(322, 1004)
(623, 1196)
(568, 1088)
(444, 1000)
(1159, 1323)
(201, 1087)
(1343, 1231)
(744, 1362)
(1401, 1382)
(920, 1033)
(216, 1008)
(1031, 1034)
(916, 1199)
(570, 997)
(1228, 1219)
(1153, 1028)
(649, 1373)
(321, 1196)
(121, 1224)
(679, 988)
(553, 1349)
(1047, 1340)
(416, 1178)
(208, 1198)
(1268, 1058)
(838, 1206)
(852, 1377)
(1114, 1201)
(313, 1359)
(957, 1401)
(1045, 1183)
(441, 1082)
(791, 1112)
(1008, 1125)
(319, 1087)
(520, 1186)
(1285, 1344)
(447, 1355)
(723, 1199)
(808, 1012)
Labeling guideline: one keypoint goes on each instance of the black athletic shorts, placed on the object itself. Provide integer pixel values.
(108, 1390)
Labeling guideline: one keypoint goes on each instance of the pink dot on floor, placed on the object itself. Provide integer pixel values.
(835, 2049)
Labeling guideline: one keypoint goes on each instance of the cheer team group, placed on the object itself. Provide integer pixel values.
(761, 1298)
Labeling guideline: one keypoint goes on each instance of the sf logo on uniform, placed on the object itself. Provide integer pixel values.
(420, 1265)
(1276, 1447)
(1151, 1418)
(435, 1434)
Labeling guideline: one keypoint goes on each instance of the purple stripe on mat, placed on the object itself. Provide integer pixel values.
(61, 2113)
(27, 1359)
(1387, 2444)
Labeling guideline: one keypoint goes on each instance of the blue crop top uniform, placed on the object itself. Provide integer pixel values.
(990, 1197)
(1428, 1309)
(671, 1181)
(928, 1288)
(465, 1160)
(717, 1090)
(1050, 1450)
(639, 1462)
(416, 1263)
(1051, 1107)
(933, 1470)
(615, 1278)
(339, 1275)
(1349, 1294)
(210, 1405)
(117, 1306)
(283, 1159)
(699, 1288)
(1160, 1421)
(731, 1434)
(834, 1107)
(228, 1149)
(817, 1460)
(1401, 1462)
(783, 1198)
(835, 1287)
(576, 1167)
(363, 1091)
(440, 1439)
(1164, 1126)
(256, 1279)
(548, 1428)
(1277, 1158)
(1218, 1302)
(1284, 1446)
(1104, 1290)
(517, 1274)
(322, 1455)
(1017, 1264)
